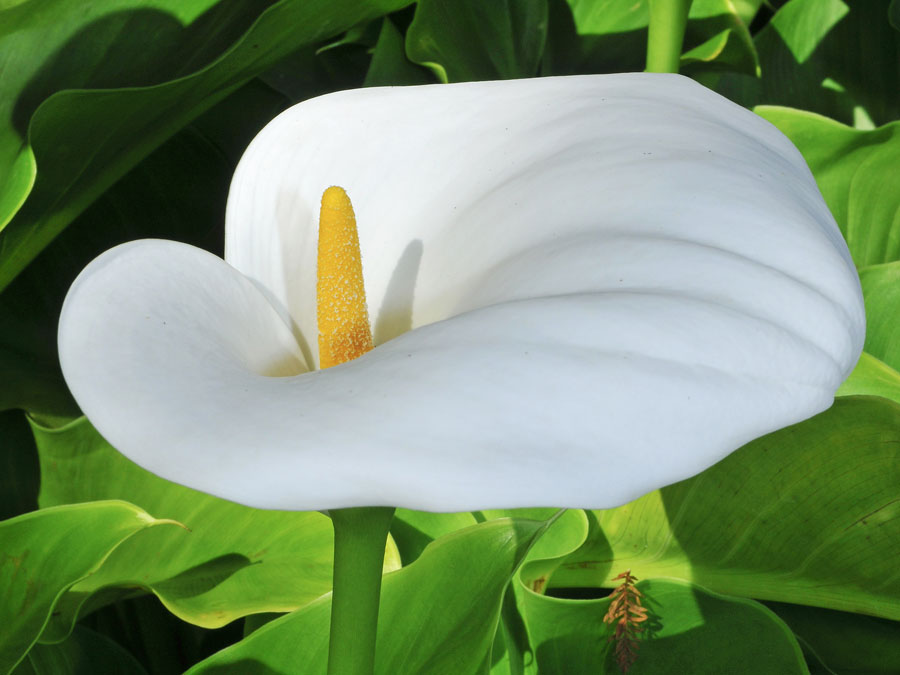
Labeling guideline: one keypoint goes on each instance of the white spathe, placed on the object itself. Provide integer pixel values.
(581, 288)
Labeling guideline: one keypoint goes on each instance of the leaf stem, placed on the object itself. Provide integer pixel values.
(668, 19)
(359, 540)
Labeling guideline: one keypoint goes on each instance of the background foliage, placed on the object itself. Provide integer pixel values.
(124, 119)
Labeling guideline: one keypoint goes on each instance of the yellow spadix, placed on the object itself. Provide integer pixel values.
(341, 312)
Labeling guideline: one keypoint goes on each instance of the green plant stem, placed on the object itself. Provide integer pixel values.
(668, 19)
(359, 540)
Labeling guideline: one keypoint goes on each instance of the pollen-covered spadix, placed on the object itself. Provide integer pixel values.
(580, 289)
(341, 312)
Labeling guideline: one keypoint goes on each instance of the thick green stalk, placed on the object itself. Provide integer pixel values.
(359, 540)
(668, 19)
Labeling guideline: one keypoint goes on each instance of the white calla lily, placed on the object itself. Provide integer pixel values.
(582, 289)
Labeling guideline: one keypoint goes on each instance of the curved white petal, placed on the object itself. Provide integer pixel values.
(613, 282)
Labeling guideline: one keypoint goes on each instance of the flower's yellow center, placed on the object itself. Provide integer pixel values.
(344, 332)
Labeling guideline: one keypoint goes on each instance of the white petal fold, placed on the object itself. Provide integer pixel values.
(581, 289)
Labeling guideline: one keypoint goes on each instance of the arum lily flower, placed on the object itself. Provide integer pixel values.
(581, 289)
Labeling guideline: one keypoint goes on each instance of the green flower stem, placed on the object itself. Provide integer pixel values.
(359, 540)
(668, 19)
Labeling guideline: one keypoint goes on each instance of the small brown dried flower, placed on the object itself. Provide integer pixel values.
(627, 613)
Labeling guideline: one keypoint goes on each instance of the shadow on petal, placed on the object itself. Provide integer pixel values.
(396, 311)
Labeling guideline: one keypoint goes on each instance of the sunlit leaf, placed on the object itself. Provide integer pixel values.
(803, 24)
(808, 515)
(234, 560)
(872, 377)
(45, 552)
(438, 615)
(856, 172)
(881, 289)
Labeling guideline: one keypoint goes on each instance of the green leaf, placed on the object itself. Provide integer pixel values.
(816, 57)
(19, 473)
(709, 50)
(807, 514)
(803, 24)
(414, 530)
(462, 40)
(857, 174)
(234, 561)
(58, 45)
(45, 552)
(717, 36)
(844, 643)
(84, 140)
(689, 630)
(364, 33)
(606, 36)
(872, 377)
(178, 192)
(84, 653)
(881, 290)
(438, 615)
(389, 64)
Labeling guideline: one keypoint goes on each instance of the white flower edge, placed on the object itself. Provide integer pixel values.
(631, 280)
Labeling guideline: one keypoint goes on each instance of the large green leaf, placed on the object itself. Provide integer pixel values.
(438, 615)
(465, 40)
(881, 289)
(83, 140)
(178, 192)
(84, 653)
(857, 174)
(55, 45)
(808, 514)
(816, 55)
(45, 552)
(689, 630)
(234, 561)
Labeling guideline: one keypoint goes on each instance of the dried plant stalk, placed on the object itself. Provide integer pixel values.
(627, 613)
